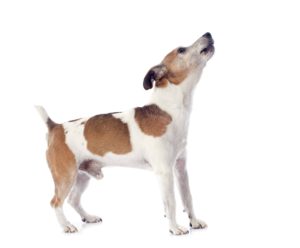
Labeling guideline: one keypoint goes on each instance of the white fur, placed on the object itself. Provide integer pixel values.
(42, 113)
(156, 153)
(164, 155)
(75, 196)
(65, 224)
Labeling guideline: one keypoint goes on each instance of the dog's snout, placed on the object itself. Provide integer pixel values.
(207, 35)
(209, 38)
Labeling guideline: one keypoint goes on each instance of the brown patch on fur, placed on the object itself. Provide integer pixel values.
(105, 133)
(152, 120)
(55, 202)
(177, 72)
(162, 83)
(62, 164)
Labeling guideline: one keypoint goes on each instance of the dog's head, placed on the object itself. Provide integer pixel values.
(181, 63)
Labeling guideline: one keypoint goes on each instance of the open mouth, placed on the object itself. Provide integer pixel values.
(210, 47)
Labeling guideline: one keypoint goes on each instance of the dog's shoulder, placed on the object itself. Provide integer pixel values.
(152, 120)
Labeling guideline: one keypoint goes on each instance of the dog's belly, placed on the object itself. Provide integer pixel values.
(131, 160)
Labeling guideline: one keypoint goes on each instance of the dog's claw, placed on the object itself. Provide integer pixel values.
(92, 219)
(177, 230)
(198, 224)
(70, 229)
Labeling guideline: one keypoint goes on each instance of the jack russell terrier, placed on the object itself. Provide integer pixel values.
(151, 137)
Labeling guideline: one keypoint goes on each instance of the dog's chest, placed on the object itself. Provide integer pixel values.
(178, 130)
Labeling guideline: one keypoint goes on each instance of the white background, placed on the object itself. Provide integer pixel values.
(79, 58)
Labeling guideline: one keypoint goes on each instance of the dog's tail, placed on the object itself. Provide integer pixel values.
(50, 124)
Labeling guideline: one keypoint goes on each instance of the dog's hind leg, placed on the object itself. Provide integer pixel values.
(92, 168)
(63, 167)
(75, 196)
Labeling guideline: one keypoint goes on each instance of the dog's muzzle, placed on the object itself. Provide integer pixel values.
(210, 44)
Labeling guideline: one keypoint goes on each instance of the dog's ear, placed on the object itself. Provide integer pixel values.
(156, 74)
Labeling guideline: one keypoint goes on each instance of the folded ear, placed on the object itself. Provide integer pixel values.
(156, 73)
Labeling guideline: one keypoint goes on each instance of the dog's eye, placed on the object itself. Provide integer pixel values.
(181, 50)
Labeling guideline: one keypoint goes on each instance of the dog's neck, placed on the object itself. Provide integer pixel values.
(176, 98)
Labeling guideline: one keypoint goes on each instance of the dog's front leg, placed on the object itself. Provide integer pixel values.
(166, 182)
(185, 193)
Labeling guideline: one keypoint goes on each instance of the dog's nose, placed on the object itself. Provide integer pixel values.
(207, 35)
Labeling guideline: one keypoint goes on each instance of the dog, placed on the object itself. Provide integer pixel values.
(152, 137)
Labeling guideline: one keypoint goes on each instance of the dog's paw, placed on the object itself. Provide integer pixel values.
(69, 228)
(91, 219)
(197, 224)
(178, 230)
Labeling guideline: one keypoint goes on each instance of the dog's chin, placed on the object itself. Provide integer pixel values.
(211, 51)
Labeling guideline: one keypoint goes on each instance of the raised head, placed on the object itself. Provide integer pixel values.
(181, 63)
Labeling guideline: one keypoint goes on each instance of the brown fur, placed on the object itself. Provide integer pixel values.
(176, 71)
(152, 120)
(61, 163)
(162, 83)
(105, 133)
